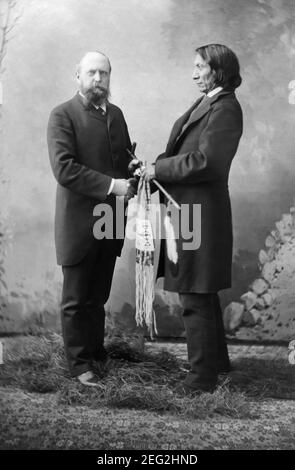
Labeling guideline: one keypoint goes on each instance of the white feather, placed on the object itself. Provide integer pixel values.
(170, 240)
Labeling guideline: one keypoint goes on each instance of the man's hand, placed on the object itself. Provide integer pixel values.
(132, 188)
(148, 171)
(134, 167)
(137, 168)
(120, 187)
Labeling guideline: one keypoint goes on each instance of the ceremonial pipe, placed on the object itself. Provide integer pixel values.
(160, 187)
(168, 196)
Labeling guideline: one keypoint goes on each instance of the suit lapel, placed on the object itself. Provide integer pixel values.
(179, 125)
(199, 114)
(110, 114)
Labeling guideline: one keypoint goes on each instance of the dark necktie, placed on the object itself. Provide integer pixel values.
(101, 111)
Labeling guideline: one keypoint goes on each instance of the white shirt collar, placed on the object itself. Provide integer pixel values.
(214, 92)
(103, 105)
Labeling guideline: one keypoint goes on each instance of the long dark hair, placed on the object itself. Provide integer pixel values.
(225, 64)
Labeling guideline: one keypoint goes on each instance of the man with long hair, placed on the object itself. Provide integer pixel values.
(195, 169)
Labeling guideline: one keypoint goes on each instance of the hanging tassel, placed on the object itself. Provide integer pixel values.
(145, 290)
(170, 237)
(144, 270)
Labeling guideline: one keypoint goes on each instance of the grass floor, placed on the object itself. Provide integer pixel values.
(136, 406)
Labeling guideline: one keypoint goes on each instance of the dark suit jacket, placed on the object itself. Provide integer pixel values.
(195, 170)
(86, 150)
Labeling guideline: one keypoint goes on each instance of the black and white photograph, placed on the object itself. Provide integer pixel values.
(147, 229)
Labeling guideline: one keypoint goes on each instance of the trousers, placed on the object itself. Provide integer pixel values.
(206, 343)
(86, 288)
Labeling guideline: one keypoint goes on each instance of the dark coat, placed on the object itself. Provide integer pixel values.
(86, 151)
(194, 170)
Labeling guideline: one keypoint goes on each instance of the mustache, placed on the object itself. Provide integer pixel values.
(96, 90)
(98, 87)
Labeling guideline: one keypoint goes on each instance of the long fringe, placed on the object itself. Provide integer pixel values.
(145, 290)
(144, 269)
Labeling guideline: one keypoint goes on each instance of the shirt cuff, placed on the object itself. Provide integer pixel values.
(111, 186)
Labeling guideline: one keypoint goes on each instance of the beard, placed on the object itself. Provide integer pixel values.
(95, 95)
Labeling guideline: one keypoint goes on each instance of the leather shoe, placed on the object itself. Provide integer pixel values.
(100, 366)
(89, 379)
(224, 370)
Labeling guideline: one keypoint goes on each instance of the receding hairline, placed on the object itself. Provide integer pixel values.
(92, 53)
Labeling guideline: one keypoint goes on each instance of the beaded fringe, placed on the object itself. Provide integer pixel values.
(144, 270)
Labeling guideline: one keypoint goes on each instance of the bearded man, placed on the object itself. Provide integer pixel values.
(87, 141)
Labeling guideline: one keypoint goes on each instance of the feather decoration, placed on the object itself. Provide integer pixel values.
(170, 237)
